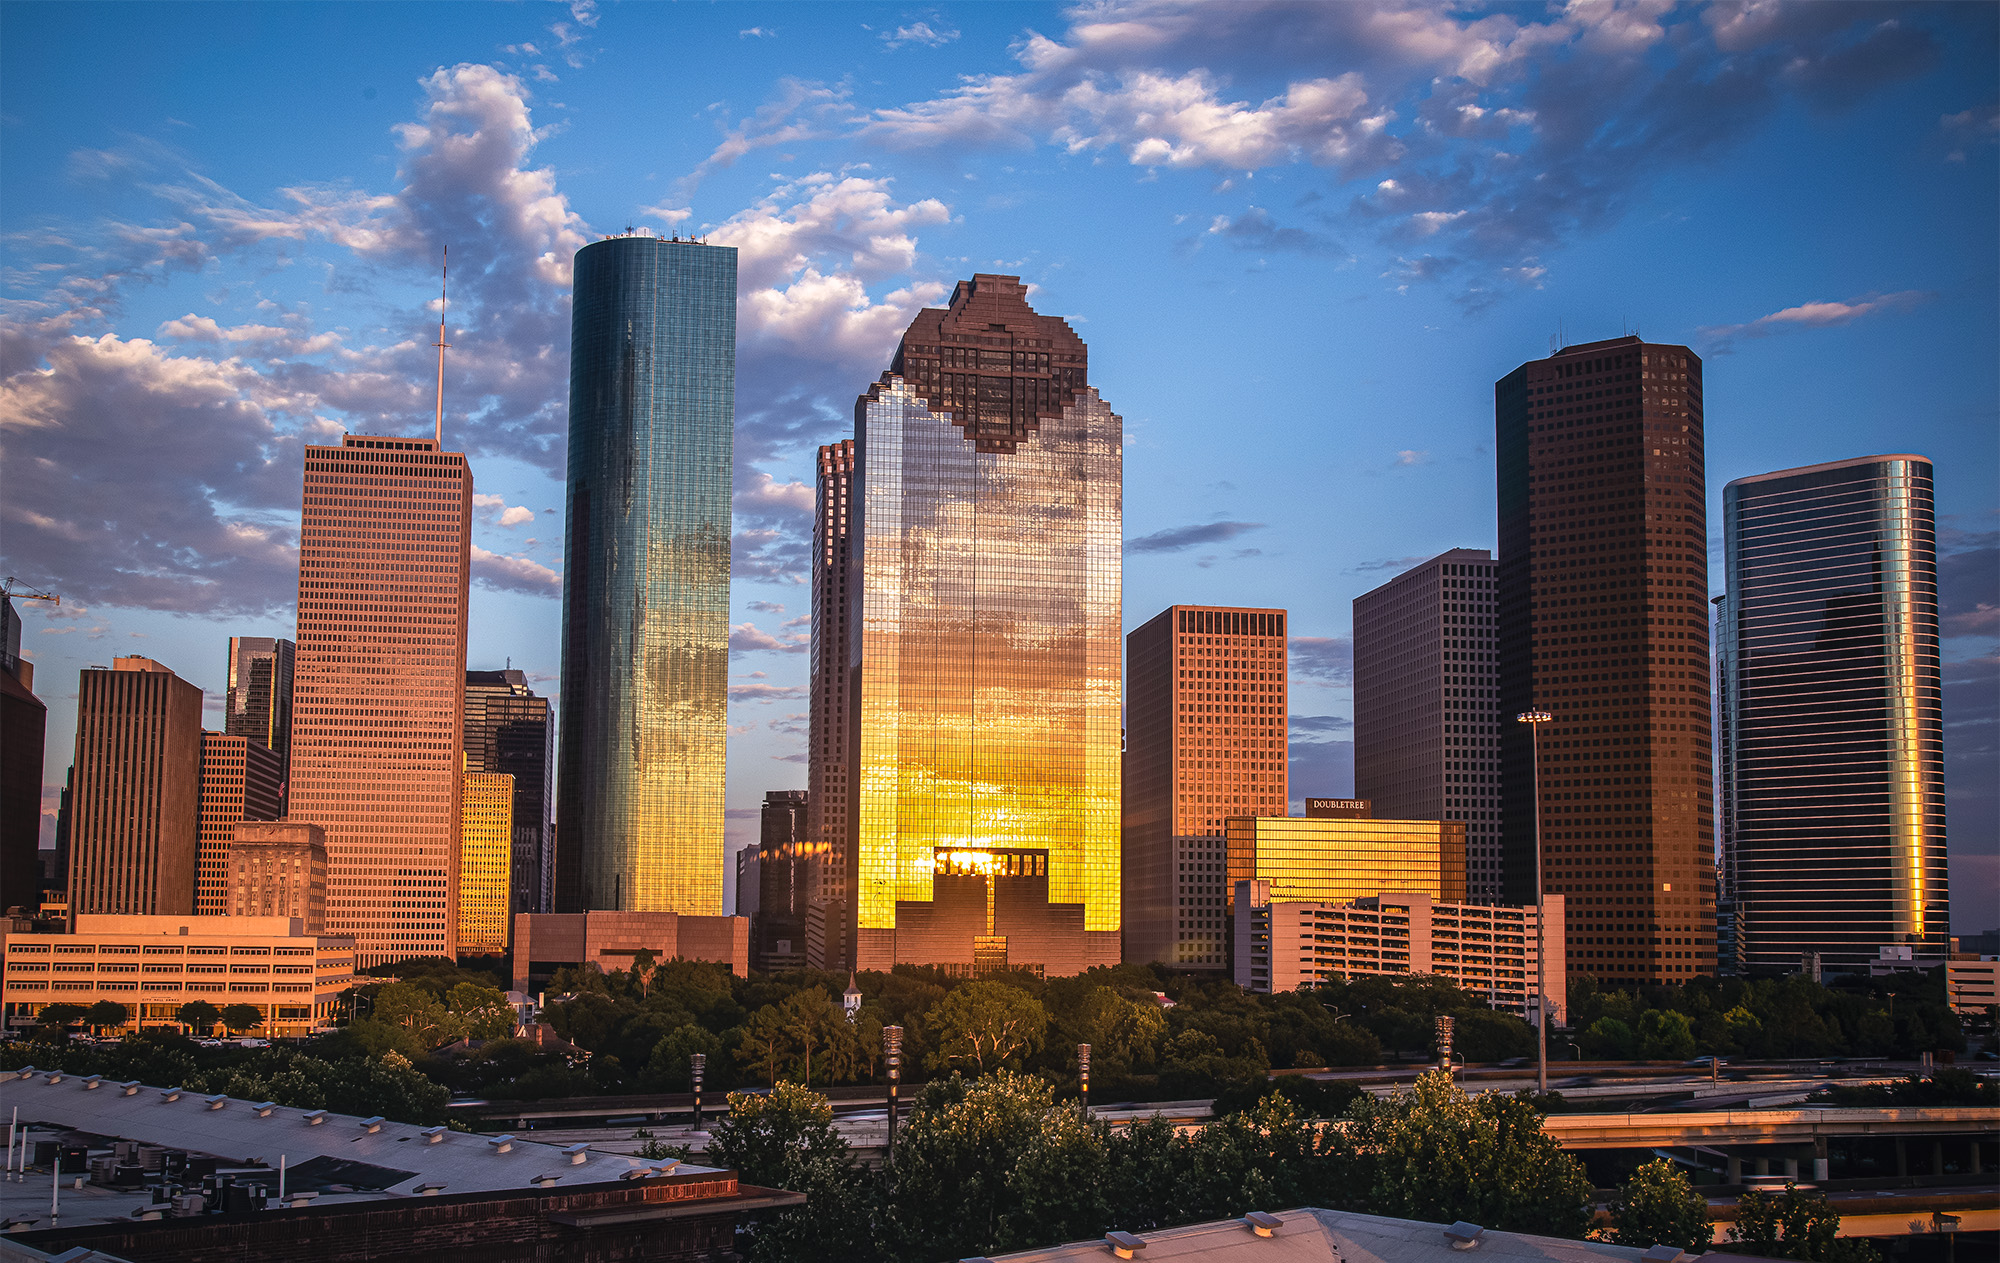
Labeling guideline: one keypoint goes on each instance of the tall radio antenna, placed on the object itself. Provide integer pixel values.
(443, 282)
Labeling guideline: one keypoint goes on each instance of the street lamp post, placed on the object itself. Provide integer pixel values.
(1444, 1028)
(1535, 719)
(892, 1054)
(697, 1062)
(1083, 1072)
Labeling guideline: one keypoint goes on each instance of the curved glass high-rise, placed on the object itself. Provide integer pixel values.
(646, 577)
(1833, 745)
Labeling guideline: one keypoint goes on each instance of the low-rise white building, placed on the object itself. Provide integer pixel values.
(1972, 983)
(1490, 952)
(152, 965)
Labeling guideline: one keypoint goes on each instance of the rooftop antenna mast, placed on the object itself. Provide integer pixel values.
(443, 281)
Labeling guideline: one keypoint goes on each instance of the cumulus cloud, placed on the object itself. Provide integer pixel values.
(1327, 660)
(1176, 538)
(503, 573)
(920, 33)
(750, 638)
(496, 511)
(766, 693)
(1721, 339)
(765, 607)
(1969, 583)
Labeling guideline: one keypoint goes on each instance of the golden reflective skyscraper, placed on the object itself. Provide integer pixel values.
(984, 646)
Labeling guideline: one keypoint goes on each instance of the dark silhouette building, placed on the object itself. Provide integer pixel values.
(646, 577)
(830, 876)
(507, 731)
(23, 725)
(1832, 714)
(1603, 620)
(783, 867)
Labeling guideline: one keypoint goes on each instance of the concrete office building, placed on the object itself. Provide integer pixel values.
(830, 872)
(646, 578)
(378, 687)
(277, 868)
(485, 862)
(1604, 624)
(1205, 707)
(1832, 714)
(135, 813)
(241, 779)
(1490, 953)
(507, 732)
(983, 608)
(1426, 703)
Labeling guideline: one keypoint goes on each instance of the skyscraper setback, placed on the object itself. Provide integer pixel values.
(646, 579)
(378, 686)
(1832, 715)
(1205, 717)
(984, 624)
(830, 809)
(1604, 624)
(1426, 709)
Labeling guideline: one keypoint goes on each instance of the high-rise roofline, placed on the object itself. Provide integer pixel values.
(1822, 468)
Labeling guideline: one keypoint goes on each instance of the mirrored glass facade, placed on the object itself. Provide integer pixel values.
(646, 578)
(1323, 859)
(507, 730)
(984, 645)
(485, 861)
(1833, 747)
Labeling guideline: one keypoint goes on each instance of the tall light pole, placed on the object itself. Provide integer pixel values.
(697, 1062)
(1083, 1073)
(1535, 719)
(892, 1054)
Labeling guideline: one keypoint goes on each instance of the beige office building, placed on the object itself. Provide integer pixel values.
(277, 868)
(240, 780)
(154, 964)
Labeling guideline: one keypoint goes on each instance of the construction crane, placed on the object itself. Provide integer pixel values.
(10, 587)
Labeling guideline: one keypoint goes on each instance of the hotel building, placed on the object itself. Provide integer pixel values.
(135, 805)
(984, 641)
(1336, 858)
(1832, 714)
(652, 403)
(378, 688)
(1604, 625)
(1426, 703)
(1487, 952)
(1205, 708)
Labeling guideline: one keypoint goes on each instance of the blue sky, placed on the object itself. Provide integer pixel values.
(1302, 242)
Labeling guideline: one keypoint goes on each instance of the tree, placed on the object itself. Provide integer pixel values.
(106, 1013)
(949, 1180)
(1434, 1153)
(242, 1017)
(668, 1069)
(1659, 1206)
(478, 1012)
(785, 1139)
(59, 1015)
(985, 1025)
(416, 1010)
(199, 1016)
(1798, 1224)
(1665, 1035)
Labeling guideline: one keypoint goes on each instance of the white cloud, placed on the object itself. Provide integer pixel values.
(1720, 339)
(496, 510)
(750, 638)
(920, 33)
(513, 574)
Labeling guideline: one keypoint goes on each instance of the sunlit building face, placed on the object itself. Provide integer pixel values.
(984, 646)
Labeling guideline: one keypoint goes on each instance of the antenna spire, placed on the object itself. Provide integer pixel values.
(443, 281)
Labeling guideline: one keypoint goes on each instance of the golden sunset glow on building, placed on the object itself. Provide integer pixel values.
(986, 561)
(1336, 859)
(485, 867)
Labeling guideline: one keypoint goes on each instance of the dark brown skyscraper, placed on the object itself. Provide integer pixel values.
(778, 940)
(829, 870)
(135, 830)
(1604, 624)
(23, 722)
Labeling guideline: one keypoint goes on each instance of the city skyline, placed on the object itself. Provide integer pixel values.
(1353, 305)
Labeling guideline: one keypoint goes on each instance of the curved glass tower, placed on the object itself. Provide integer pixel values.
(1833, 734)
(646, 577)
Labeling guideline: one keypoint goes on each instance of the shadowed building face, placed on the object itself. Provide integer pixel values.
(984, 646)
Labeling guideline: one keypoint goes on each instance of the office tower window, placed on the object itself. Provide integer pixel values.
(1832, 717)
(1426, 703)
(984, 640)
(135, 820)
(241, 779)
(1205, 740)
(378, 687)
(485, 862)
(646, 580)
(1604, 624)
(258, 703)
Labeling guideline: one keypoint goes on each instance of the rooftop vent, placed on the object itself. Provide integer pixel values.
(373, 1125)
(263, 1108)
(314, 1117)
(130, 1087)
(1124, 1244)
(501, 1144)
(91, 1082)
(55, 1076)
(577, 1153)
(1663, 1253)
(432, 1135)
(25, 1072)
(1464, 1236)
(218, 1101)
(170, 1094)
(545, 1180)
(430, 1190)
(1262, 1224)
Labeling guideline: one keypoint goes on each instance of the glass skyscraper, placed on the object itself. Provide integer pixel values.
(646, 578)
(507, 731)
(1833, 739)
(984, 646)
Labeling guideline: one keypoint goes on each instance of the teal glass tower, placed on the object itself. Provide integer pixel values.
(646, 577)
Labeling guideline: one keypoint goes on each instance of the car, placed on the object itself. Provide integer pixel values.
(1703, 1063)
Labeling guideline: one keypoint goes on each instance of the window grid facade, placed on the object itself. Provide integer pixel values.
(277, 869)
(1205, 717)
(379, 686)
(1335, 859)
(1832, 716)
(1604, 624)
(135, 806)
(646, 577)
(984, 641)
(1426, 708)
(258, 704)
(240, 780)
(831, 875)
(507, 731)
(485, 862)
